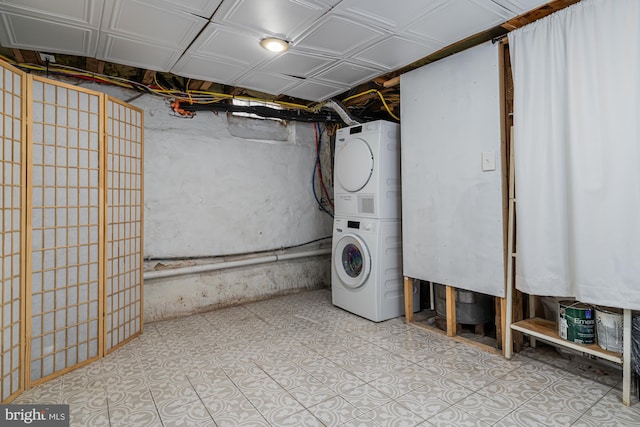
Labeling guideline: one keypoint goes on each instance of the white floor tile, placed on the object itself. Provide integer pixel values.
(299, 361)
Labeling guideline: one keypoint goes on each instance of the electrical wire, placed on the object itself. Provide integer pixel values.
(283, 248)
(318, 134)
(308, 243)
(192, 97)
(382, 98)
(313, 176)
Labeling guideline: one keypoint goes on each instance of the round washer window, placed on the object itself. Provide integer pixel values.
(352, 260)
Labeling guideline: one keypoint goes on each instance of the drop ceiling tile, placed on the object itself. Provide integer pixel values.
(297, 64)
(348, 74)
(136, 53)
(455, 20)
(282, 18)
(203, 8)
(272, 84)
(385, 13)
(209, 69)
(329, 3)
(85, 12)
(25, 32)
(315, 91)
(520, 6)
(395, 52)
(151, 21)
(228, 44)
(336, 35)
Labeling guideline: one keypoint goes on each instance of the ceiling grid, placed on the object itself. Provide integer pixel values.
(334, 45)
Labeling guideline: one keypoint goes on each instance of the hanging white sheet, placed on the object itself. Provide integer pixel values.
(577, 153)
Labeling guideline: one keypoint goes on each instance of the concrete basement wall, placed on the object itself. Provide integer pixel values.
(208, 193)
(177, 296)
(211, 194)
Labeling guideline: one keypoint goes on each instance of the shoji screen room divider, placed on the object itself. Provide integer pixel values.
(72, 227)
(124, 209)
(12, 220)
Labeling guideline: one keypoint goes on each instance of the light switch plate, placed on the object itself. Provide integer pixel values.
(488, 161)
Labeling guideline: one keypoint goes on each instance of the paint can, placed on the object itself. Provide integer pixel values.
(576, 322)
(609, 324)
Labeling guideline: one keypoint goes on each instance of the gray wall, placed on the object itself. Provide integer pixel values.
(209, 193)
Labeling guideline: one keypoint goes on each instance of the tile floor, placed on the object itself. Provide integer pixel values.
(299, 361)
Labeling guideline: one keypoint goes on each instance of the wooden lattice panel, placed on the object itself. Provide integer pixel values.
(124, 148)
(65, 320)
(11, 233)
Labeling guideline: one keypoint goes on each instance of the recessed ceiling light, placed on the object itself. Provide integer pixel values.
(273, 44)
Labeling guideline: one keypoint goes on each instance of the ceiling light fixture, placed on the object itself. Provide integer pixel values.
(273, 44)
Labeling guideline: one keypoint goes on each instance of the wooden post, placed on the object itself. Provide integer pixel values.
(507, 317)
(500, 304)
(408, 299)
(626, 357)
(532, 313)
(451, 311)
(518, 337)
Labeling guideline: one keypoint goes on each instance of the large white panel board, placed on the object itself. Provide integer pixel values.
(452, 209)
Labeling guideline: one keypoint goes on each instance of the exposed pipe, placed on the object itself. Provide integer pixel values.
(342, 111)
(195, 269)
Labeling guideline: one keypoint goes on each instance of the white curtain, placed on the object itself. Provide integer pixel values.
(577, 153)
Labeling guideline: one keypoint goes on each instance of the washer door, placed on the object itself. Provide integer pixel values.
(352, 261)
(354, 164)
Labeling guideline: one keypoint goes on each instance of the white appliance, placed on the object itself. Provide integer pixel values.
(366, 268)
(367, 171)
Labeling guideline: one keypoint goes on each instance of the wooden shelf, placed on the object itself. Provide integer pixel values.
(547, 330)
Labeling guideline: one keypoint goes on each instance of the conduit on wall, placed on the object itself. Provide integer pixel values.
(150, 275)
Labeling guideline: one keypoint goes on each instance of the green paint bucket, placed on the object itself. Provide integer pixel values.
(577, 322)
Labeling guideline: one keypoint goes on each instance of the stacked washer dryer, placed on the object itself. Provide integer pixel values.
(366, 272)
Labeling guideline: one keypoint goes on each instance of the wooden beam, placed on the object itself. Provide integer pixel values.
(148, 77)
(95, 66)
(392, 82)
(451, 312)
(31, 57)
(534, 15)
(194, 84)
(206, 85)
(17, 55)
(199, 85)
(408, 299)
(237, 91)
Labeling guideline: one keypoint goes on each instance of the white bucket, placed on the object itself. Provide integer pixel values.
(609, 324)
